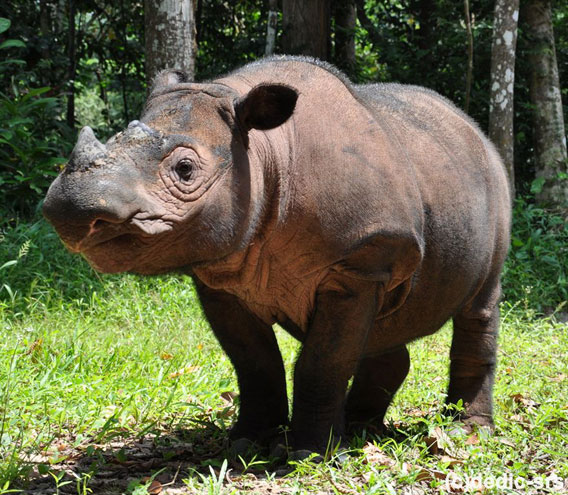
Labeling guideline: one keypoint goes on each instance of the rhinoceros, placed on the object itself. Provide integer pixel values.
(357, 217)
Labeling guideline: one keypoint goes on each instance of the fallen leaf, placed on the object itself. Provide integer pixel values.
(450, 461)
(432, 445)
(473, 439)
(524, 401)
(559, 378)
(108, 411)
(428, 475)
(229, 397)
(374, 455)
(367, 476)
(439, 442)
(166, 356)
(416, 413)
(183, 371)
(506, 441)
(154, 487)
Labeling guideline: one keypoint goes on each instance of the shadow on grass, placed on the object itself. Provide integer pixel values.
(184, 460)
(122, 464)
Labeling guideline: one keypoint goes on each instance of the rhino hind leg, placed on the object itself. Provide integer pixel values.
(473, 361)
(374, 385)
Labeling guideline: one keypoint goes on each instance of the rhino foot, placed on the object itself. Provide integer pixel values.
(335, 451)
(246, 443)
(243, 447)
(339, 458)
(303, 454)
(374, 427)
(481, 421)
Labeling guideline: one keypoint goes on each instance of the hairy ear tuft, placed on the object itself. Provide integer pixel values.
(266, 106)
(168, 78)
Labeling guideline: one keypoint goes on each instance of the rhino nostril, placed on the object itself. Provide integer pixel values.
(99, 224)
(108, 220)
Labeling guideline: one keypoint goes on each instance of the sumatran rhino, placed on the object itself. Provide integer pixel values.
(358, 218)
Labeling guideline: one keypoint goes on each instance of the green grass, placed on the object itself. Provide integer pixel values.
(109, 384)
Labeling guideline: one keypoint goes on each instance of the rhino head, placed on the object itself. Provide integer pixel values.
(174, 188)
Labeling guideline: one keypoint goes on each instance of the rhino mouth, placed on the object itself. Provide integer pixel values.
(103, 233)
(117, 241)
(113, 255)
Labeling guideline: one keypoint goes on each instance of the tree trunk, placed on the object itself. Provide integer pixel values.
(271, 27)
(503, 80)
(469, 75)
(306, 27)
(44, 27)
(549, 131)
(425, 35)
(170, 36)
(47, 35)
(72, 68)
(345, 23)
(123, 64)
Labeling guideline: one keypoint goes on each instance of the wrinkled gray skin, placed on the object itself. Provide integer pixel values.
(357, 217)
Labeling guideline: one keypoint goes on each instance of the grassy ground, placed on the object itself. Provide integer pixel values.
(116, 385)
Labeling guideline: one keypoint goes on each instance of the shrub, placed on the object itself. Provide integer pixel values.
(536, 271)
(32, 140)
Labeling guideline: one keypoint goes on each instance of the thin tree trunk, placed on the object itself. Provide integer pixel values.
(546, 97)
(306, 27)
(198, 12)
(103, 95)
(71, 53)
(501, 112)
(44, 27)
(345, 22)
(170, 36)
(425, 35)
(271, 27)
(123, 67)
(469, 75)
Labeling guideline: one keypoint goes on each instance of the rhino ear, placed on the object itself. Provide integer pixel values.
(266, 106)
(169, 77)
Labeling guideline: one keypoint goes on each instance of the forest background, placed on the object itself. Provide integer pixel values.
(65, 64)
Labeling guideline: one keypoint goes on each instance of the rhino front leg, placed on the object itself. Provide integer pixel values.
(253, 350)
(344, 313)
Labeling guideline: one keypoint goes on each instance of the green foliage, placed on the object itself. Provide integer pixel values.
(230, 35)
(536, 272)
(29, 148)
(4, 26)
(35, 87)
(37, 271)
(110, 88)
(30, 140)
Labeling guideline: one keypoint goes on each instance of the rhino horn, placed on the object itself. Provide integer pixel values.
(87, 150)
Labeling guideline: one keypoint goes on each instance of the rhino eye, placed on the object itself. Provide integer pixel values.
(184, 169)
